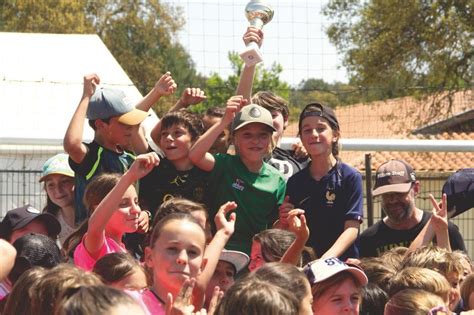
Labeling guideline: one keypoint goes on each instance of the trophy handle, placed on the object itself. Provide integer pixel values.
(251, 55)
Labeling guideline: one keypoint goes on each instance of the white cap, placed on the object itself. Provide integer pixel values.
(238, 259)
(322, 269)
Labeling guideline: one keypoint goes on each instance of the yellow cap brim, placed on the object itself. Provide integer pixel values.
(133, 118)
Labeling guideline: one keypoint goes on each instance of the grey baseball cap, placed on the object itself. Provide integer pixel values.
(238, 259)
(252, 114)
(107, 103)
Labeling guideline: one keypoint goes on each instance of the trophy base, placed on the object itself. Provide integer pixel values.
(251, 56)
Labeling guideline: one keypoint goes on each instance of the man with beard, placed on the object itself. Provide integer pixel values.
(396, 183)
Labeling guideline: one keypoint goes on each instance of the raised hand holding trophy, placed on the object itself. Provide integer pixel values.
(258, 14)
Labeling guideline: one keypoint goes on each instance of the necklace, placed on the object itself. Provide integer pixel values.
(157, 297)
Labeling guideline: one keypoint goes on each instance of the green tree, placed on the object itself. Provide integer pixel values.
(139, 33)
(332, 94)
(48, 16)
(219, 90)
(398, 47)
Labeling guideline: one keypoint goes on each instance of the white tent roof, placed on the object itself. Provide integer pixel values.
(41, 84)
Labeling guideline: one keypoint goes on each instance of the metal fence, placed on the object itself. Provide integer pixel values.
(430, 183)
(19, 187)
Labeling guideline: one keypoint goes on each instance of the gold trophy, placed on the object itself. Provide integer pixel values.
(258, 14)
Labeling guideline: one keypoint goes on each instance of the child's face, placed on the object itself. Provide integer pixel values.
(36, 226)
(175, 142)
(117, 133)
(279, 123)
(177, 254)
(467, 268)
(317, 136)
(253, 142)
(454, 280)
(223, 277)
(256, 258)
(60, 189)
(221, 143)
(135, 281)
(340, 299)
(125, 218)
(307, 301)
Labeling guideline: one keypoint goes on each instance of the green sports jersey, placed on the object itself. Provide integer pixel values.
(257, 196)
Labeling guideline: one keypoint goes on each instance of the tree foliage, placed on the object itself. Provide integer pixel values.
(402, 47)
(332, 94)
(49, 16)
(139, 33)
(219, 90)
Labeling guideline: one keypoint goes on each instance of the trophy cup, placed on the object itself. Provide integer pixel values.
(258, 14)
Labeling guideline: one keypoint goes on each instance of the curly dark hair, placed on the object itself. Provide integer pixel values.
(187, 119)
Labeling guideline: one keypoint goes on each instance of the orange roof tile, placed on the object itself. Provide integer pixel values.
(396, 119)
(420, 161)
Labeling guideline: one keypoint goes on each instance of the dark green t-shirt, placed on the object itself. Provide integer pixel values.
(257, 196)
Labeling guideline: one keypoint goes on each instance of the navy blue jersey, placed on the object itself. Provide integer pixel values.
(328, 203)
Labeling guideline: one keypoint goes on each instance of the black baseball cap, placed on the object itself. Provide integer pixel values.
(20, 217)
(319, 110)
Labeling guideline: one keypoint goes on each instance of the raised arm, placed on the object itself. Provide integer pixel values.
(436, 226)
(225, 229)
(73, 138)
(248, 72)
(298, 226)
(190, 96)
(95, 236)
(347, 237)
(163, 87)
(198, 154)
(439, 220)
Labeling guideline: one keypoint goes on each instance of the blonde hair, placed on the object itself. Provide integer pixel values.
(95, 191)
(377, 271)
(275, 242)
(271, 101)
(253, 296)
(414, 302)
(394, 256)
(92, 300)
(57, 281)
(464, 257)
(178, 205)
(114, 267)
(435, 258)
(420, 278)
(24, 290)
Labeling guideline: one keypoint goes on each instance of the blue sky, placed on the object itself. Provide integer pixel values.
(295, 38)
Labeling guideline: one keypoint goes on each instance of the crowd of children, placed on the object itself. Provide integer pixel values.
(220, 221)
